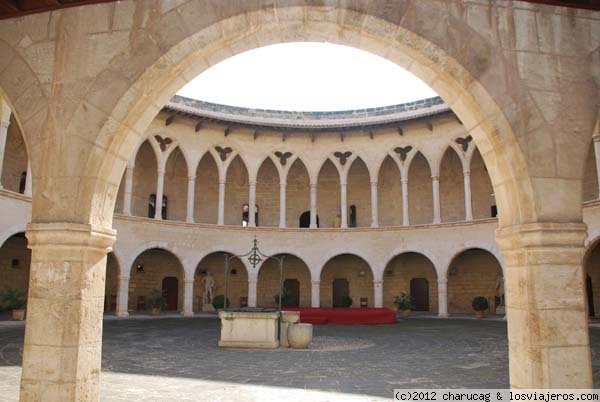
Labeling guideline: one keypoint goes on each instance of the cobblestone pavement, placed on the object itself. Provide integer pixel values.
(176, 359)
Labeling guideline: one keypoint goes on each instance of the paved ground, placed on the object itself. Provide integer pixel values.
(176, 359)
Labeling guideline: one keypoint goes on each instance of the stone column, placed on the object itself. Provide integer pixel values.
(442, 297)
(343, 205)
(374, 205)
(221, 209)
(315, 296)
(63, 339)
(191, 192)
(313, 205)
(405, 219)
(28, 179)
(252, 284)
(435, 184)
(596, 139)
(545, 302)
(5, 113)
(378, 289)
(252, 204)
(128, 189)
(188, 298)
(160, 181)
(468, 203)
(282, 204)
(123, 297)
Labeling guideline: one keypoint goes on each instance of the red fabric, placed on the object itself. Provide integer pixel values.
(345, 315)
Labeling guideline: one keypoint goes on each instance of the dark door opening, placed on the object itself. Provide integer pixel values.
(419, 290)
(590, 296)
(170, 290)
(292, 286)
(341, 292)
(305, 220)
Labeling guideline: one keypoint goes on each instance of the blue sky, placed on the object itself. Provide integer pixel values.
(306, 77)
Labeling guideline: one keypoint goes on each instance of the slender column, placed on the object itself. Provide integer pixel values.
(188, 297)
(435, 184)
(405, 220)
(282, 204)
(63, 340)
(378, 289)
(343, 205)
(221, 210)
(5, 113)
(596, 139)
(313, 205)
(191, 192)
(28, 178)
(545, 303)
(123, 297)
(128, 189)
(160, 181)
(252, 284)
(442, 298)
(252, 204)
(468, 203)
(315, 297)
(374, 205)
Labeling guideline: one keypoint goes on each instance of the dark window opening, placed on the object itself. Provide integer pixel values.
(352, 223)
(494, 211)
(22, 182)
(152, 206)
(304, 221)
(246, 216)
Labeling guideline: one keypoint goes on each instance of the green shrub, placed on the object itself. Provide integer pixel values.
(218, 301)
(403, 301)
(480, 303)
(14, 299)
(157, 300)
(347, 301)
(286, 298)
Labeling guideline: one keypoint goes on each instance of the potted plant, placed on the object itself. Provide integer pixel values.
(403, 303)
(218, 302)
(347, 301)
(15, 300)
(286, 298)
(480, 304)
(157, 301)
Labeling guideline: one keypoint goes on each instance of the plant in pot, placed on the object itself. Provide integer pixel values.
(480, 304)
(218, 302)
(157, 301)
(286, 299)
(403, 303)
(347, 301)
(15, 300)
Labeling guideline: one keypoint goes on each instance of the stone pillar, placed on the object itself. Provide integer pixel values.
(313, 205)
(188, 298)
(315, 296)
(28, 178)
(596, 139)
(191, 192)
(374, 205)
(221, 209)
(343, 205)
(252, 204)
(378, 289)
(545, 304)
(468, 203)
(128, 189)
(442, 297)
(123, 297)
(63, 338)
(252, 284)
(282, 204)
(5, 113)
(435, 184)
(160, 181)
(405, 219)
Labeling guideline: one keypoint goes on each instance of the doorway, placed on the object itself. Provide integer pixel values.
(341, 292)
(419, 290)
(292, 286)
(170, 291)
(304, 221)
(590, 295)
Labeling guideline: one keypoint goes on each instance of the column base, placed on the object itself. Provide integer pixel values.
(443, 316)
(311, 226)
(374, 225)
(122, 314)
(187, 313)
(189, 220)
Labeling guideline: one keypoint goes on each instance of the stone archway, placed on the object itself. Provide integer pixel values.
(237, 286)
(357, 276)
(294, 269)
(102, 101)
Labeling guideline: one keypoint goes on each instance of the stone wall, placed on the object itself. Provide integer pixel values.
(236, 192)
(112, 284)
(267, 194)
(15, 157)
(420, 193)
(144, 180)
(175, 186)
(389, 190)
(328, 195)
(237, 285)
(452, 196)
(358, 274)
(206, 201)
(297, 194)
(268, 280)
(590, 179)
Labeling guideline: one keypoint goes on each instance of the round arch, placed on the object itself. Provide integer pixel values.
(296, 280)
(346, 279)
(212, 265)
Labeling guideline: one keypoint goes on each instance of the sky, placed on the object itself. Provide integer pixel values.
(306, 77)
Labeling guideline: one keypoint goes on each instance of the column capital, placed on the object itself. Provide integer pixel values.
(191, 178)
(252, 183)
(222, 182)
(596, 136)
(124, 278)
(188, 280)
(466, 173)
(442, 281)
(373, 184)
(282, 183)
(70, 236)
(435, 177)
(315, 282)
(5, 123)
(252, 280)
(161, 172)
(313, 186)
(377, 282)
(404, 180)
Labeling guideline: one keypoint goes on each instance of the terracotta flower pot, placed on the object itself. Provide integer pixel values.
(155, 311)
(18, 314)
(479, 314)
(405, 313)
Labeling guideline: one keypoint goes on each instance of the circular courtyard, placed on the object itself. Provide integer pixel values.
(176, 359)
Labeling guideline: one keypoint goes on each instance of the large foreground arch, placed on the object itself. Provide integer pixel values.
(94, 99)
